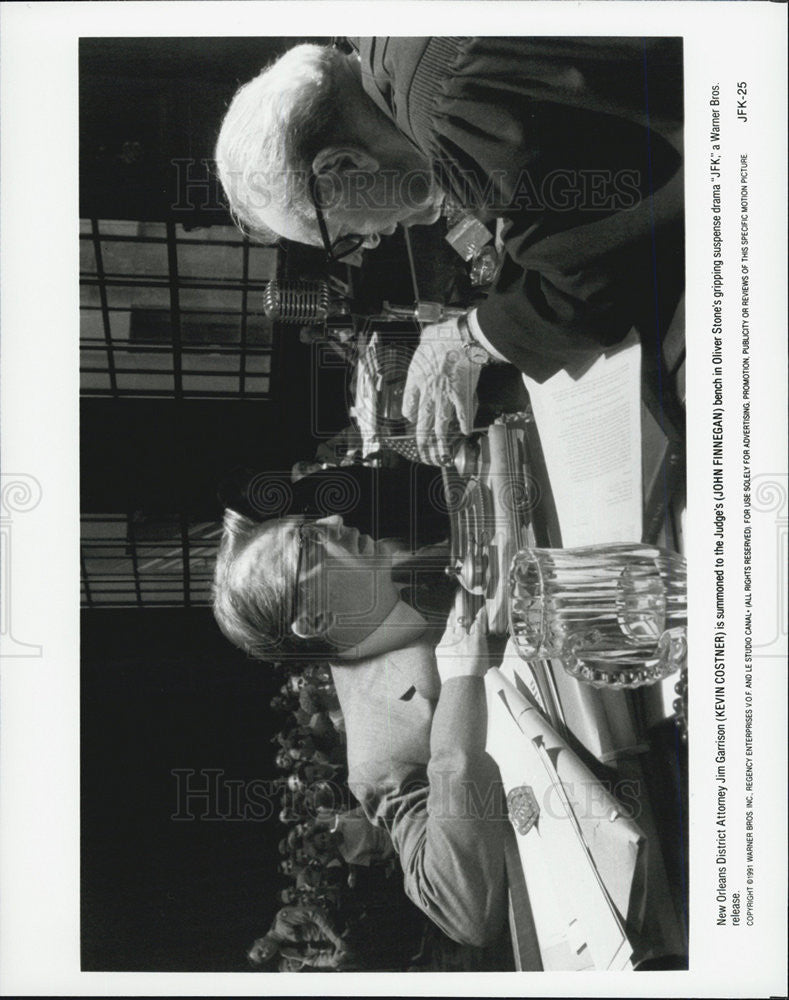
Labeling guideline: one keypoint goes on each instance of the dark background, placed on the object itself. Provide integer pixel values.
(161, 688)
(162, 691)
(169, 96)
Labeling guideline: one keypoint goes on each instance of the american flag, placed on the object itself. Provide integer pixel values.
(404, 445)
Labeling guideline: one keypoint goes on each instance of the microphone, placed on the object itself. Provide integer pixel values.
(297, 301)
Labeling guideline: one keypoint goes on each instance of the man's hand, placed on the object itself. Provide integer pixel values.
(440, 394)
(463, 650)
(365, 405)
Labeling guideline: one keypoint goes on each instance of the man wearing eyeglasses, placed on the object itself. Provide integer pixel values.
(415, 712)
(576, 143)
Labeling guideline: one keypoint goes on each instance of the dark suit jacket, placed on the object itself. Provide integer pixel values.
(404, 503)
(577, 144)
(417, 764)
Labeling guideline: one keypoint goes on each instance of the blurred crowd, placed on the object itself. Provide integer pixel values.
(332, 859)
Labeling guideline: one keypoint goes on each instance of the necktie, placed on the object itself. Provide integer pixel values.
(425, 585)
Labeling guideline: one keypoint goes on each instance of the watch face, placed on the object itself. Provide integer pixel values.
(476, 354)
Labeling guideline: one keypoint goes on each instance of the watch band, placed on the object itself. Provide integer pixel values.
(472, 348)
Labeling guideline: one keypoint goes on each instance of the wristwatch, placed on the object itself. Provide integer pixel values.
(473, 350)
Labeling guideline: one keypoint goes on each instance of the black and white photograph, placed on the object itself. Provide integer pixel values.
(442, 740)
(404, 438)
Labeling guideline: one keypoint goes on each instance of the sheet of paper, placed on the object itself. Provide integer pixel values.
(575, 887)
(590, 430)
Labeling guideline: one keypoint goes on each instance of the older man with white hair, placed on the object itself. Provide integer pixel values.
(574, 142)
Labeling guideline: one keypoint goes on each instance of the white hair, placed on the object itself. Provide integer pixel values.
(273, 129)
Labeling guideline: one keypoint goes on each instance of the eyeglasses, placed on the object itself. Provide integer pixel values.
(311, 539)
(343, 246)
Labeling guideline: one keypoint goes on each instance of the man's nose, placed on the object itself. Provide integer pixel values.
(355, 259)
(333, 520)
(372, 241)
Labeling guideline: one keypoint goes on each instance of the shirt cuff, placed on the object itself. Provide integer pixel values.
(479, 336)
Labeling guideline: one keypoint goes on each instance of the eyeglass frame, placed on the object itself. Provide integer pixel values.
(294, 605)
(332, 257)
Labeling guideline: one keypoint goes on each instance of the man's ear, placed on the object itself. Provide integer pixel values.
(313, 627)
(343, 159)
